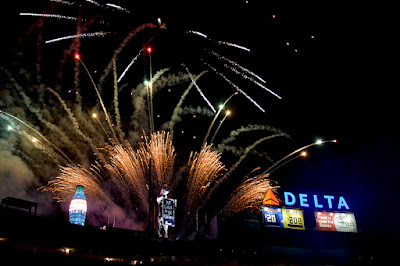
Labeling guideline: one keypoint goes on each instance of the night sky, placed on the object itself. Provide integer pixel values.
(331, 62)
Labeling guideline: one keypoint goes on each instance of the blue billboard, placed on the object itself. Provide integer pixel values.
(168, 211)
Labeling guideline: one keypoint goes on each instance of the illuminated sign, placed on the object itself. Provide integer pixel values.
(270, 198)
(168, 211)
(326, 202)
(335, 221)
(272, 216)
(282, 217)
(78, 205)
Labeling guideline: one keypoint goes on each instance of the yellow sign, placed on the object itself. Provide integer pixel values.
(293, 219)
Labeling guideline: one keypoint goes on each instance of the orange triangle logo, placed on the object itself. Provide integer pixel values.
(270, 198)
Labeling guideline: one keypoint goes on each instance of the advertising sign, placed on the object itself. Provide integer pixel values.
(334, 221)
(284, 218)
(272, 216)
(293, 219)
(168, 211)
(305, 200)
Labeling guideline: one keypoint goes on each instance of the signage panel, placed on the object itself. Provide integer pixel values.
(293, 219)
(335, 221)
(284, 218)
(168, 211)
(272, 216)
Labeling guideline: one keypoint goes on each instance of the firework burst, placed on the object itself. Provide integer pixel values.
(117, 160)
(248, 197)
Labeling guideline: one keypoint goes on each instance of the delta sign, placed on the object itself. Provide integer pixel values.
(289, 217)
(305, 200)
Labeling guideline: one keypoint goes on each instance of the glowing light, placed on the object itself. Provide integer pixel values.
(82, 35)
(94, 115)
(319, 142)
(118, 7)
(78, 207)
(234, 45)
(335, 140)
(77, 56)
(130, 64)
(9, 128)
(198, 33)
(34, 140)
(228, 113)
(303, 154)
(149, 49)
(48, 16)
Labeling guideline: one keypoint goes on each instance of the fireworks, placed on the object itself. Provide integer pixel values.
(249, 195)
(83, 35)
(119, 158)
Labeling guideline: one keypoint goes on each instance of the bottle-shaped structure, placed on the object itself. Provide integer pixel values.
(78, 207)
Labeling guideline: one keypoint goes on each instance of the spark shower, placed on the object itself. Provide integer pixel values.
(67, 141)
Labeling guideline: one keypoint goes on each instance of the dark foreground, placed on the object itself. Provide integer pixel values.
(28, 239)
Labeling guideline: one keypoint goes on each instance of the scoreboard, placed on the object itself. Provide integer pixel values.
(284, 218)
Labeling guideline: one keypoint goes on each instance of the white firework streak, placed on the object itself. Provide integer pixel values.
(235, 86)
(130, 64)
(118, 7)
(82, 35)
(63, 2)
(234, 45)
(198, 89)
(237, 65)
(93, 2)
(252, 80)
(198, 33)
(48, 16)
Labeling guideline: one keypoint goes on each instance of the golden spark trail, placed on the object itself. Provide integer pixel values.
(63, 186)
(131, 169)
(100, 99)
(162, 152)
(219, 126)
(249, 195)
(204, 169)
(38, 133)
(215, 118)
